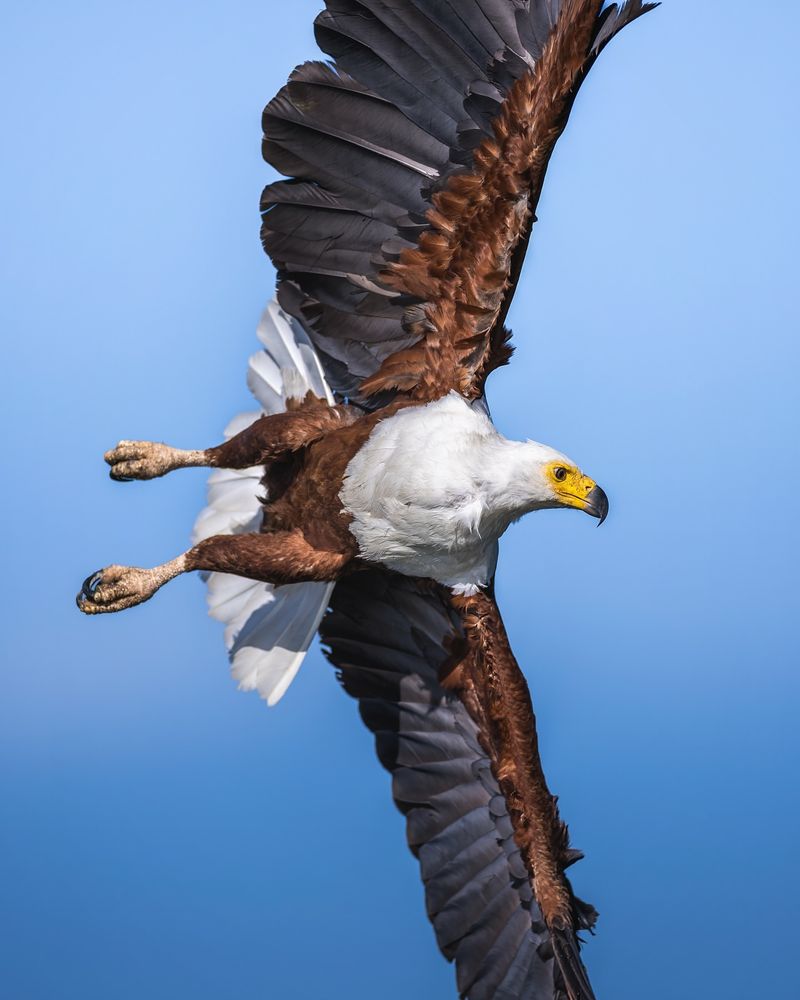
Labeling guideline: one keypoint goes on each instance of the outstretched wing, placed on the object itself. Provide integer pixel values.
(417, 159)
(393, 639)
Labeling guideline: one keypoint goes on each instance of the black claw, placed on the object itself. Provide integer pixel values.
(120, 479)
(90, 585)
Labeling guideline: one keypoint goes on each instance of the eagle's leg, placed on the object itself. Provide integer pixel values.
(149, 460)
(280, 557)
(263, 441)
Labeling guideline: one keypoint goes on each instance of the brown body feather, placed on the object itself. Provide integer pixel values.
(305, 453)
(303, 490)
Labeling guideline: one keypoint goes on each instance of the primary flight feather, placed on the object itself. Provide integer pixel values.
(372, 483)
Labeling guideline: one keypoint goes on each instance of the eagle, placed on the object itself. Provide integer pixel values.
(365, 499)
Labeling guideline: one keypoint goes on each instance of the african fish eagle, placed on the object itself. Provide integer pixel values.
(366, 500)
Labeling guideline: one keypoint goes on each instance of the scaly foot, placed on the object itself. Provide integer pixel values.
(148, 460)
(116, 588)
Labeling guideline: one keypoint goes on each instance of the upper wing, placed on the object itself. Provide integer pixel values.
(417, 160)
(392, 638)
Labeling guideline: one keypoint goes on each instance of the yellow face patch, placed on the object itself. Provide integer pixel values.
(570, 485)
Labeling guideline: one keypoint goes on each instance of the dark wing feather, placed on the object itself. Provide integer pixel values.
(416, 92)
(390, 637)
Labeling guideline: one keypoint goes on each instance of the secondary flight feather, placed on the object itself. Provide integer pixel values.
(372, 482)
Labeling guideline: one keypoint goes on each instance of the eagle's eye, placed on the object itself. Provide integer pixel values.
(560, 474)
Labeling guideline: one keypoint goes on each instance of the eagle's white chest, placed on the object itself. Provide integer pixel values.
(420, 493)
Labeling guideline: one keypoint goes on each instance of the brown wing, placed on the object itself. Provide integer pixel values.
(495, 692)
(417, 163)
(453, 722)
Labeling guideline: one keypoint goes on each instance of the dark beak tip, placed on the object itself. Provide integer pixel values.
(599, 505)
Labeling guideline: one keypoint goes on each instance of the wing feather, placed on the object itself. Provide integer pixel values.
(391, 638)
(416, 162)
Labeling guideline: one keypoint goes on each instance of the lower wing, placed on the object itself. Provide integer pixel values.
(395, 641)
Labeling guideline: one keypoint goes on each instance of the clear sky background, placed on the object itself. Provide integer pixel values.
(164, 836)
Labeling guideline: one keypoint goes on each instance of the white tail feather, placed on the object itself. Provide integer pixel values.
(268, 629)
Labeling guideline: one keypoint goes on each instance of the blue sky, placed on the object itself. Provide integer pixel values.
(163, 835)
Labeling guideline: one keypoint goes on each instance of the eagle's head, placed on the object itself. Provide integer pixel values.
(555, 481)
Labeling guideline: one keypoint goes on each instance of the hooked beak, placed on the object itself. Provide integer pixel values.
(597, 504)
(584, 494)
